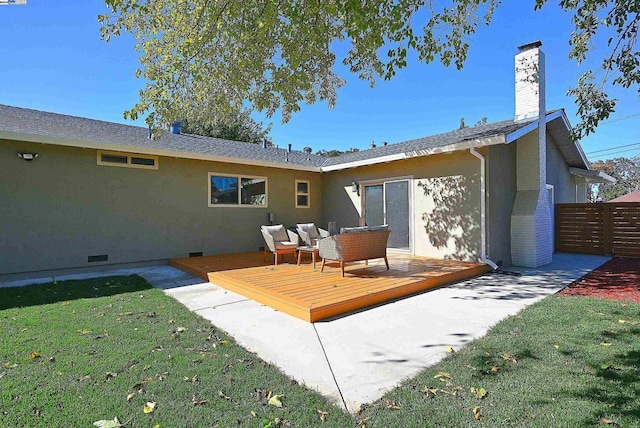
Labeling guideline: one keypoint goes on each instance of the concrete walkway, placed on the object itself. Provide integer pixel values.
(355, 359)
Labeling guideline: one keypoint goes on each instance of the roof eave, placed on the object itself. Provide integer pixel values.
(593, 176)
(462, 145)
(151, 151)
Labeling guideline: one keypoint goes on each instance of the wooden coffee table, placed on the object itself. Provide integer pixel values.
(307, 249)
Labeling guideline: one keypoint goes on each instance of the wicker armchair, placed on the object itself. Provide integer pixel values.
(352, 246)
(309, 233)
(280, 240)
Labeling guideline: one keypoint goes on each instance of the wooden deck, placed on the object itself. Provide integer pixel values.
(312, 295)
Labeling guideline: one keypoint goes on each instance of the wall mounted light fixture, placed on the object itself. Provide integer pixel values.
(27, 156)
(355, 187)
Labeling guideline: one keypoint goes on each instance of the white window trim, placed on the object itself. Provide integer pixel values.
(308, 194)
(238, 205)
(128, 156)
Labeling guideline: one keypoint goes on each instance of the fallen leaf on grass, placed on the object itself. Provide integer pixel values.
(556, 346)
(10, 365)
(622, 321)
(362, 422)
(479, 392)
(495, 369)
(609, 367)
(110, 375)
(226, 397)
(442, 375)
(323, 415)
(149, 407)
(83, 331)
(198, 402)
(389, 404)
(508, 357)
(430, 392)
(450, 350)
(605, 344)
(476, 413)
(131, 395)
(607, 421)
(276, 400)
(33, 355)
(115, 423)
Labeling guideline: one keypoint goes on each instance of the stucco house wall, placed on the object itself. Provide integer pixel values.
(63, 207)
(558, 174)
(501, 194)
(445, 206)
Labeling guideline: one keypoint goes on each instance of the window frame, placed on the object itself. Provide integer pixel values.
(129, 157)
(239, 177)
(307, 194)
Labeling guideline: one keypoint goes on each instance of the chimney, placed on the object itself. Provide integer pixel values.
(531, 222)
(530, 81)
(176, 127)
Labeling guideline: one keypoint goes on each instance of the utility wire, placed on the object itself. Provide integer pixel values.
(618, 120)
(620, 151)
(614, 148)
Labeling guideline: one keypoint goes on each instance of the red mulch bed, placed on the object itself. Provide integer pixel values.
(618, 279)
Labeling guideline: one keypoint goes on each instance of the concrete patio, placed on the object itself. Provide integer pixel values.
(356, 358)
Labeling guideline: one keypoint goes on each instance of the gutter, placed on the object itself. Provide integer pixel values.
(483, 210)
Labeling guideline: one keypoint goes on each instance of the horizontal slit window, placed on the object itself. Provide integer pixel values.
(127, 160)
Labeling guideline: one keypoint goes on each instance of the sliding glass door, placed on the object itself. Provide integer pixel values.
(388, 202)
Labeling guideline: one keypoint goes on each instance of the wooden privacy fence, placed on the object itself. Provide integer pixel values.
(601, 228)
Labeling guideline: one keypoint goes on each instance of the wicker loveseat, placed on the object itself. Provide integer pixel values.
(355, 244)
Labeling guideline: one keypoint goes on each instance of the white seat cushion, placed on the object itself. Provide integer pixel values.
(286, 245)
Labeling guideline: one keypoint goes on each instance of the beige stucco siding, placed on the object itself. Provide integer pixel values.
(501, 194)
(445, 207)
(62, 207)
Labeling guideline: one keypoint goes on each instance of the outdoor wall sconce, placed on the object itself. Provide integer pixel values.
(27, 156)
(355, 187)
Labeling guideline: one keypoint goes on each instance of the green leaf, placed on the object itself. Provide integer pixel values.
(276, 400)
(479, 392)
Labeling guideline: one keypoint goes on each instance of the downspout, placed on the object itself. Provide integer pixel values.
(483, 209)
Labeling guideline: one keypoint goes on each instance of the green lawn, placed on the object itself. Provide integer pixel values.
(75, 352)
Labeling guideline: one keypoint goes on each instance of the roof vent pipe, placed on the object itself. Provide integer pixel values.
(264, 143)
(289, 150)
(372, 145)
(176, 127)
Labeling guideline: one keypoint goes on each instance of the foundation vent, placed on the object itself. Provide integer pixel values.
(98, 258)
(196, 254)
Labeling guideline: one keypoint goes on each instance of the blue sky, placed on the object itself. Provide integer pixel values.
(52, 59)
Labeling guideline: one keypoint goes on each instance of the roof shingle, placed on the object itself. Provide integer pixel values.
(77, 130)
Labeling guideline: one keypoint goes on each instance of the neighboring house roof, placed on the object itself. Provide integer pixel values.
(629, 197)
(44, 127)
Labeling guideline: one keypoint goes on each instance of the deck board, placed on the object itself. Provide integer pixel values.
(312, 295)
